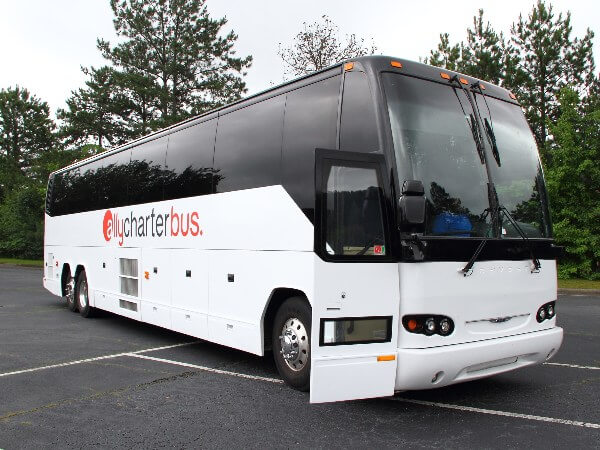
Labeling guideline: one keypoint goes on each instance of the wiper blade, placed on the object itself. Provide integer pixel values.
(536, 262)
(468, 269)
(470, 118)
(492, 139)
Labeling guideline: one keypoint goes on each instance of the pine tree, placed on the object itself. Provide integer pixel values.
(98, 113)
(447, 56)
(174, 58)
(543, 58)
(318, 46)
(483, 54)
(26, 132)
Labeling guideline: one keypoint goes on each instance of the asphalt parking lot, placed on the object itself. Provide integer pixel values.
(112, 382)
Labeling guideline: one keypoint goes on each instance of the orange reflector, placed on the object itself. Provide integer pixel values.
(513, 96)
(147, 275)
(396, 64)
(386, 358)
(444, 75)
(412, 324)
(463, 81)
(349, 66)
(481, 86)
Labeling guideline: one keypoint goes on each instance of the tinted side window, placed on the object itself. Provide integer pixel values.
(111, 180)
(146, 172)
(359, 129)
(57, 194)
(189, 161)
(248, 149)
(310, 122)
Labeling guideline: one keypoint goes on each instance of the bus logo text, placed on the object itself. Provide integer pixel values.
(155, 224)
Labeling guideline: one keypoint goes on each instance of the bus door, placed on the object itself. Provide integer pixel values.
(356, 297)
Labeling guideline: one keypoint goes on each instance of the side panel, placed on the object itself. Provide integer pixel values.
(345, 372)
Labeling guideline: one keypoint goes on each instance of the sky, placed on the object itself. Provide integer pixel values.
(43, 43)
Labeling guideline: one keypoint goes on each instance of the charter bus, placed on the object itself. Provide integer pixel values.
(380, 225)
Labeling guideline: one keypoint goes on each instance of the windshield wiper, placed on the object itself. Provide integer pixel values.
(468, 269)
(489, 129)
(470, 118)
(536, 261)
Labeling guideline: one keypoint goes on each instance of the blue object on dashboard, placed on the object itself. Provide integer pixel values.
(452, 224)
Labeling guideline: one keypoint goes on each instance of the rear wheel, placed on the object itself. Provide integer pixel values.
(291, 342)
(70, 292)
(82, 295)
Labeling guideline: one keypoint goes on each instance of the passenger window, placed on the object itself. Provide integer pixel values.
(310, 122)
(248, 149)
(190, 161)
(353, 210)
(111, 180)
(146, 172)
(359, 128)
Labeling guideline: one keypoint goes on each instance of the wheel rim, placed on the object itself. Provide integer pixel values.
(83, 294)
(70, 290)
(294, 344)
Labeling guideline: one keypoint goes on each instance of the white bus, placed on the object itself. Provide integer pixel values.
(381, 225)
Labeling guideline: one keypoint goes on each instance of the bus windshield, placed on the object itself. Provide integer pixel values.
(433, 142)
(517, 172)
(431, 127)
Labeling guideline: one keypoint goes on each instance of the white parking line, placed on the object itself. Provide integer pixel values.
(573, 366)
(500, 413)
(97, 358)
(208, 369)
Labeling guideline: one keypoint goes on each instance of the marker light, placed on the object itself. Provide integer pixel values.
(396, 64)
(444, 75)
(511, 95)
(412, 325)
(481, 86)
(348, 66)
(463, 81)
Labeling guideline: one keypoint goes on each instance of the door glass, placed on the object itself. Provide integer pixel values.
(354, 212)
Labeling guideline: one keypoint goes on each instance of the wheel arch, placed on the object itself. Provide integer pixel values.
(66, 270)
(276, 299)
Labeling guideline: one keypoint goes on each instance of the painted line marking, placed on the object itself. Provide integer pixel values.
(573, 366)
(97, 358)
(208, 369)
(500, 413)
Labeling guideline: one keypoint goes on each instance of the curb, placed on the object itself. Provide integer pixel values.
(579, 291)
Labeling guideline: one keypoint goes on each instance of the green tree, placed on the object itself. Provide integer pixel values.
(26, 132)
(174, 56)
(447, 56)
(318, 46)
(543, 58)
(483, 54)
(98, 113)
(573, 179)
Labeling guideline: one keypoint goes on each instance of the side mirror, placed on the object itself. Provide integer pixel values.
(412, 203)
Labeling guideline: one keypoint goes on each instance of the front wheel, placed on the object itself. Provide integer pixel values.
(291, 342)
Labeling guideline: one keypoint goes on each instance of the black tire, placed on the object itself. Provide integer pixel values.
(82, 296)
(70, 293)
(293, 319)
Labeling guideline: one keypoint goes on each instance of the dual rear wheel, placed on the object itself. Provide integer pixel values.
(77, 294)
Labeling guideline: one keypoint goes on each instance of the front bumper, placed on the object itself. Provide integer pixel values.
(441, 366)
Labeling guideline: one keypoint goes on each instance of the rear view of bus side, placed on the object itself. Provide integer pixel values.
(381, 225)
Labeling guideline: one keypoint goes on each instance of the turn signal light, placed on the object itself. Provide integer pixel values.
(546, 311)
(428, 324)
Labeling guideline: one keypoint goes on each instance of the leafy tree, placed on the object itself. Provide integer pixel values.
(99, 112)
(542, 59)
(573, 179)
(26, 132)
(318, 46)
(174, 58)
